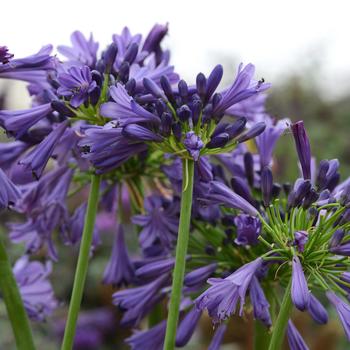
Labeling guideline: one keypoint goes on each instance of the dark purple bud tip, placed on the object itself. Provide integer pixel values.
(165, 84)
(201, 83)
(336, 239)
(131, 53)
(303, 148)
(184, 113)
(214, 80)
(183, 90)
(249, 168)
(218, 141)
(236, 128)
(110, 55)
(254, 131)
(266, 185)
(62, 109)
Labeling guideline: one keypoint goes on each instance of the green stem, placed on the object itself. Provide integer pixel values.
(14, 304)
(282, 320)
(82, 265)
(261, 336)
(181, 251)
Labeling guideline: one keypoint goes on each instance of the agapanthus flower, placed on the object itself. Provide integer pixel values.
(248, 229)
(193, 144)
(187, 327)
(36, 290)
(9, 193)
(259, 302)
(120, 269)
(221, 298)
(199, 276)
(317, 310)
(155, 268)
(218, 337)
(343, 310)
(300, 293)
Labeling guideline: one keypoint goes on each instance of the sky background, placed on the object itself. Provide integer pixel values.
(279, 37)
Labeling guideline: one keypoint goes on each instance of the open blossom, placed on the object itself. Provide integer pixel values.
(9, 193)
(221, 298)
(248, 229)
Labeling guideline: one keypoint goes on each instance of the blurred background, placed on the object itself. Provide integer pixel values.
(301, 47)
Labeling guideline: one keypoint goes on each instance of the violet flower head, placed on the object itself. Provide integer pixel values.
(187, 326)
(300, 293)
(343, 310)
(260, 304)
(152, 338)
(248, 229)
(221, 298)
(295, 340)
(303, 148)
(35, 288)
(5, 56)
(77, 84)
(9, 193)
(218, 337)
(219, 193)
(119, 269)
(193, 144)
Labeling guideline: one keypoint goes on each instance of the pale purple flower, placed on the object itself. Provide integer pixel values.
(9, 193)
(193, 144)
(248, 229)
(36, 290)
(300, 293)
(300, 239)
(187, 326)
(155, 268)
(120, 269)
(217, 339)
(154, 37)
(317, 310)
(259, 302)
(221, 298)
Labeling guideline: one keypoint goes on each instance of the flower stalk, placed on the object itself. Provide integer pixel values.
(82, 265)
(282, 319)
(181, 251)
(14, 304)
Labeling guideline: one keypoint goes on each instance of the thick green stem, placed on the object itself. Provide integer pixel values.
(14, 304)
(181, 251)
(261, 336)
(82, 265)
(282, 320)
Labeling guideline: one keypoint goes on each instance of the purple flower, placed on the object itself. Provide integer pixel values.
(343, 311)
(17, 123)
(77, 83)
(125, 110)
(152, 338)
(137, 302)
(266, 184)
(193, 144)
(336, 239)
(266, 141)
(9, 193)
(259, 302)
(242, 88)
(159, 223)
(254, 131)
(155, 36)
(10, 152)
(37, 159)
(187, 327)
(36, 291)
(300, 239)
(219, 193)
(119, 269)
(300, 293)
(295, 340)
(106, 147)
(155, 268)
(341, 249)
(5, 56)
(248, 229)
(317, 310)
(221, 298)
(303, 148)
(83, 51)
(198, 276)
(215, 343)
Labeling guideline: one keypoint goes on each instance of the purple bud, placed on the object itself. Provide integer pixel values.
(214, 80)
(183, 90)
(236, 128)
(110, 55)
(196, 110)
(130, 86)
(165, 84)
(201, 83)
(266, 185)
(310, 198)
(240, 186)
(184, 113)
(301, 189)
(300, 293)
(153, 88)
(218, 337)
(166, 120)
(321, 180)
(295, 340)
(138, 132)
(131, 53)
(187, 327)
(317, 310)
(254, 131)
(249, 167)
(303, 148)
(300, 239)
(177, 131)
(155, 269)
(218, 141)
(336, 239)
(220, 128)
(124, 70)
(199, 276)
